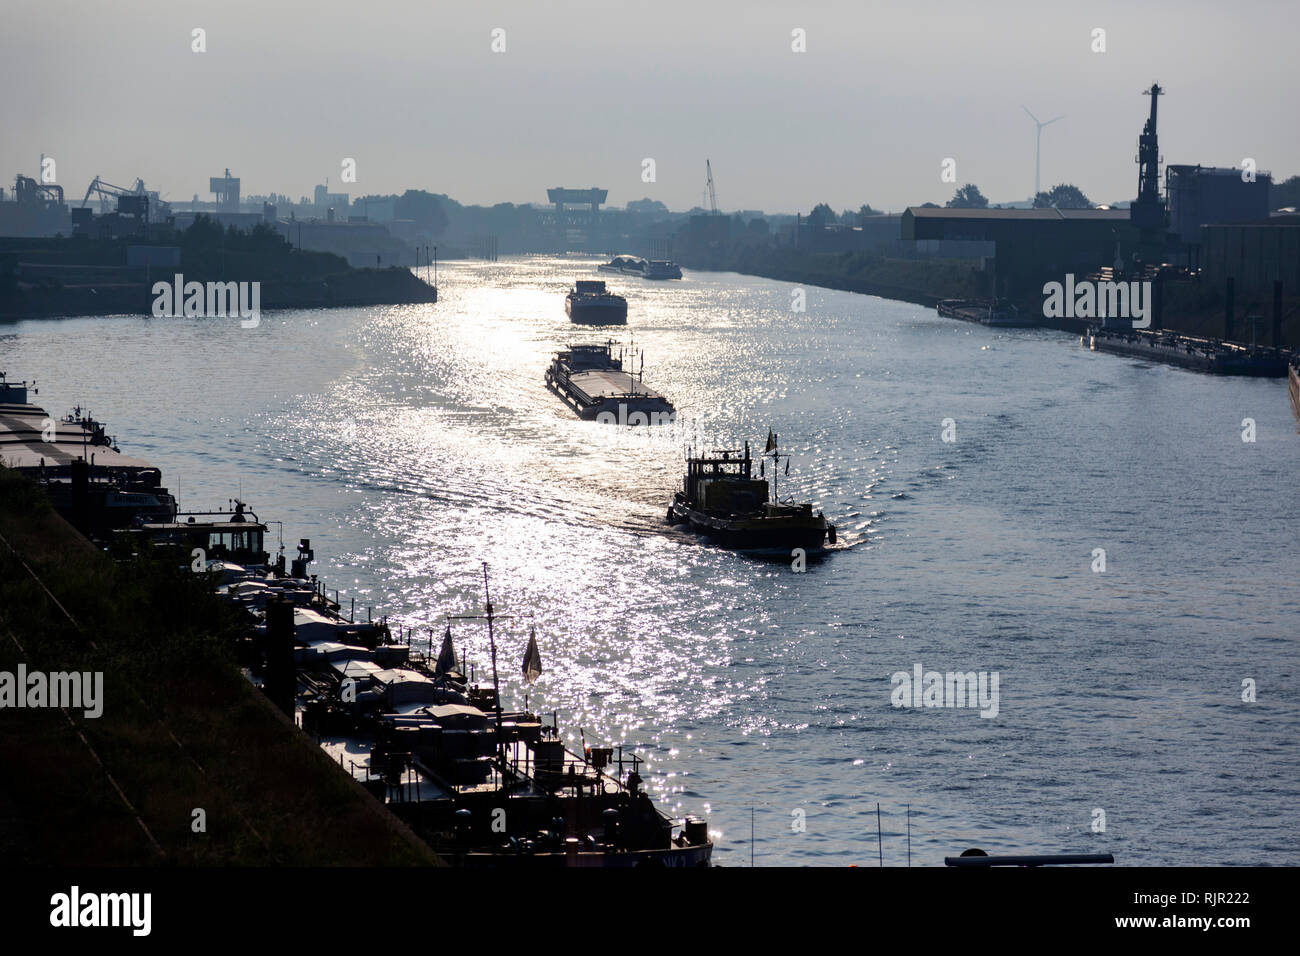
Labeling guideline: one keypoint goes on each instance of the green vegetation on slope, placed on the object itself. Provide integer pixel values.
(181, 729)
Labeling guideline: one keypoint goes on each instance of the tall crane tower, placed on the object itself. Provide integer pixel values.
(713, 197)
(1147, 210)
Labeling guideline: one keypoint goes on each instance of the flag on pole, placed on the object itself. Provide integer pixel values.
(446, 656)
(771, 442)
(532, 658)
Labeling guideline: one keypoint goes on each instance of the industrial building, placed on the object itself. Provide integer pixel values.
(1200, 195)
(34, 209)
(1253, 254)
(1030, 246)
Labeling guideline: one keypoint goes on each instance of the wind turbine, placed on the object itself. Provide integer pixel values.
(1038, 147)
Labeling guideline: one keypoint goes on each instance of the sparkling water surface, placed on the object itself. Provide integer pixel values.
(412, 443)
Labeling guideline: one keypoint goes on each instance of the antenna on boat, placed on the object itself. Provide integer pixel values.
(880, 846)
(492, 643)
(490, 616)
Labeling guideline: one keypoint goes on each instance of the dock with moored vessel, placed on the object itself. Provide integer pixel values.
(87, 477)
(993, 314)
(1189, 351)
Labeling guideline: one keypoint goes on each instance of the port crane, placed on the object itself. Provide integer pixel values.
(713, 197)
(106, 192)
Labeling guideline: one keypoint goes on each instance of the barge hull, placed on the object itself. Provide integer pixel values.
(598, 314)
(767, 541)
(1203, 357)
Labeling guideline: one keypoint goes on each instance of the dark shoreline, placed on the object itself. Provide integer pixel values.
(359, 287)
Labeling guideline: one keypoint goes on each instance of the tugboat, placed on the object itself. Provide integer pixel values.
(589, 303)
(592, 381)
(722, 499)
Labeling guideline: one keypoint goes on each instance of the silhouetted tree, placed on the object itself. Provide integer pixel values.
(204, 233)
(1063, 196)
(968, 197)
(821, 215)
(647, 205)
(1285, 193)
(425, 209)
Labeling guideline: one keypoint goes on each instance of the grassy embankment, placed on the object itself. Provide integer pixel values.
(180, 730)
(84, 276)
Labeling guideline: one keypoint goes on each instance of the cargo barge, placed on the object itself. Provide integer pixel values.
(993, 314)
(662, 269)
(1187, 351)
(90, 482)
(591, 380)
(645, 268)
(624, 265)
(590, 303)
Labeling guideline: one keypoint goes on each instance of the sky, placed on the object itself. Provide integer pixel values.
(583, 93)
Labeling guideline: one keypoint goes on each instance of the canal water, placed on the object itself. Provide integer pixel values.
(410, 444)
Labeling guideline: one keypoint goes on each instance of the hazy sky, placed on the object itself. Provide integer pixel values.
(584, 92)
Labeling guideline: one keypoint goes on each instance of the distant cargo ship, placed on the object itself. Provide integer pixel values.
(645, 268)
(662, 269)
(722, 499)
(590, 303)
(624, 265)
(591, 380)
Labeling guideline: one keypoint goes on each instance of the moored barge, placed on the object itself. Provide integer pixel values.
(482, 784)
(1188, 351)
(90, 482)
(997, 314)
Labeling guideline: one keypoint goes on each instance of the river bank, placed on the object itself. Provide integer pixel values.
(187, 763)
(1188, 307)
(43, 278)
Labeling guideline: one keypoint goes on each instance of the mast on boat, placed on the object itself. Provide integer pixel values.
(490, 617)
(776, 456)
